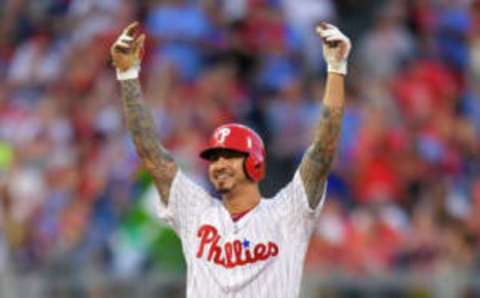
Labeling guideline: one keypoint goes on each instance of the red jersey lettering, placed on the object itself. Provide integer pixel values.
(231, 254)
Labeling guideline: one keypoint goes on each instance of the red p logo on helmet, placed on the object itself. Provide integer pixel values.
(242, 139)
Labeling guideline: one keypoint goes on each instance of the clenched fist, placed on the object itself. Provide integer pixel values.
(336, 47)
(127, 52)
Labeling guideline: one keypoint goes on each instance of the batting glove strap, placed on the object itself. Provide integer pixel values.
(338, 67)
(129, 74)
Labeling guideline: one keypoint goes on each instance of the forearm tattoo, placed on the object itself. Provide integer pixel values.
(319, 156)
(140, 123)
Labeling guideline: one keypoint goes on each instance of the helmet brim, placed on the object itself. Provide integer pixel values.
(207, 153)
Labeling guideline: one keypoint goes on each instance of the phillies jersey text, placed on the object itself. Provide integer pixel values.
(261, 255)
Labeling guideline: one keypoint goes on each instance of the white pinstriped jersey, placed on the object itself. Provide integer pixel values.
(261, 255)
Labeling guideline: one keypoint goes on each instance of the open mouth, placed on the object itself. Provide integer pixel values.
(222, 177)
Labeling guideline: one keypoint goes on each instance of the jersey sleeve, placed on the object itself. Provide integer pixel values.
(187, 200)
(292, 210)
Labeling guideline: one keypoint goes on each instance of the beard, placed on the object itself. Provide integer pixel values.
(223, 191)
(222, 188)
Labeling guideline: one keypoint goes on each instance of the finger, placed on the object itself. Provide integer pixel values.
(138, 44)
(130, 30)
(126, 37)
(329, 26)
(335, 37)
(322, 26)
(123, 44)
(319, 30)
(121, 49)
(327, 38)
(326, 33)
(332, 44)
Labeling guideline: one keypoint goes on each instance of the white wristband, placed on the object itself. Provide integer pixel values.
(129, 74)
(340, 67)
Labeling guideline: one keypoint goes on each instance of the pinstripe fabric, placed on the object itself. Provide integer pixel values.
(274, 237)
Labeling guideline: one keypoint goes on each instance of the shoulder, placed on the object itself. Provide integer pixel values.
(187, 184)
(294, 188)
(293, 197)
(187, 190)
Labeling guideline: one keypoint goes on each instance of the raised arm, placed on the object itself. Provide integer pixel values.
(126, 54)
(319, 156)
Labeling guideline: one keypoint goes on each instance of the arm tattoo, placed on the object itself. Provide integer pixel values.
(140, 123)
(319, 156)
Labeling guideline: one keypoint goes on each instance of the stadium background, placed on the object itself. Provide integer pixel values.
(403, 212)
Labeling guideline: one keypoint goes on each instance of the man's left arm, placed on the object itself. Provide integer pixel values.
(318, 159)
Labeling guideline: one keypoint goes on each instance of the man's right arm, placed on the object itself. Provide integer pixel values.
(127, 54)
(141, 126)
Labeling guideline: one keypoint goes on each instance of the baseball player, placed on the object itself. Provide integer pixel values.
(242, 245)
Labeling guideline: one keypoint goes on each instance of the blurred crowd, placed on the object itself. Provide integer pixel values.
(404, 192)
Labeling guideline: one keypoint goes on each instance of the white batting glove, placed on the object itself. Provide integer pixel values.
(336, 47)
(127, 53)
